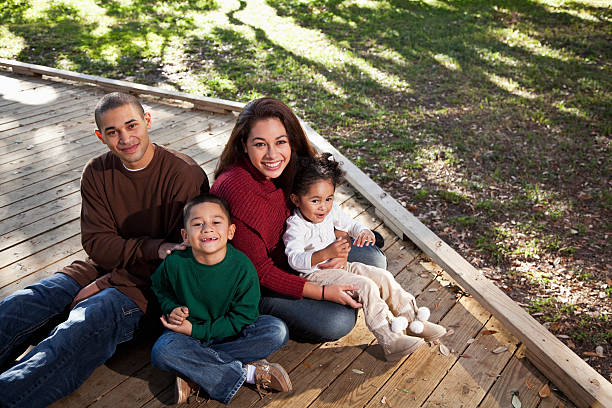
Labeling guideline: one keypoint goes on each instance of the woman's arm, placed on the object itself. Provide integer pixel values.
(270, 276)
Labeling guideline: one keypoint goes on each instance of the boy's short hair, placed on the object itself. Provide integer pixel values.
(115, 100)
(206, 198)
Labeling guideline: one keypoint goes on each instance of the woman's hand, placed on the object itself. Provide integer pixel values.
(342, 294)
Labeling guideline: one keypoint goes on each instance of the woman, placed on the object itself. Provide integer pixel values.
(255, 175)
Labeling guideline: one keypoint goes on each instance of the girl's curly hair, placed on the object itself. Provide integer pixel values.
(313, 169)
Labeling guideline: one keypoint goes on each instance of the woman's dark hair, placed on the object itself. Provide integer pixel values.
(313, 169)
(264, 108)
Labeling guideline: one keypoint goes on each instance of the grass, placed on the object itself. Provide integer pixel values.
(496, 115)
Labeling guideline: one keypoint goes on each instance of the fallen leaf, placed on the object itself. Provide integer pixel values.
(608, 281)
(500, 349)
(599, 351)
(465, 356)
(494, 375)
(444, 350)
(424, 275)
(357, 371)
(470, 341)
(403, 390)
(306, 365)
(516, 402)
(411, 207)
(432, 290)
(529, 384)
(488, 332)
(591, 354)
(30, 147)
(449, 332)
(544, 391)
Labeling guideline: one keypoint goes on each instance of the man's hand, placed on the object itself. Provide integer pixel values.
(184, 328)
(342, 294)
(166, 249)
(366, 237)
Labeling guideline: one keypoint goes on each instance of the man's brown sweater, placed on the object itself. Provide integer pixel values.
(126, 215)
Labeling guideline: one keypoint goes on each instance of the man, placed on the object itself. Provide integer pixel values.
(132, 198)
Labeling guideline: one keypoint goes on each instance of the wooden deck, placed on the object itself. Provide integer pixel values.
(45, 140)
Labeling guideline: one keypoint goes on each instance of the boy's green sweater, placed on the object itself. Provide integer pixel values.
(222, 298)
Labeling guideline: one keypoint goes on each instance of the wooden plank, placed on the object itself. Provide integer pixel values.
(33, 228)
(469, 379)
(518, 376)
(569, 372)
(39, 260)
(205, 102)
(43, 241)
(40, 274)
(354, 389)
(129, 360)
(22, 111)
(68, 104)
(44, 210)
(424, 369)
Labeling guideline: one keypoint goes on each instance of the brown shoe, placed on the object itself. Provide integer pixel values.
(183, 389)
(271, 376)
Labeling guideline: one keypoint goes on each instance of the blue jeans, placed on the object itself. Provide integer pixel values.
(67, 356)
(218, 365)
(319, 321)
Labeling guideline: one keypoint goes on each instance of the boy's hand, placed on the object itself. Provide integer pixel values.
(366, 237)
(184, 328)
(177, 315)
(166, 249)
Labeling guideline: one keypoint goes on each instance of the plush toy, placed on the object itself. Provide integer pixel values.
(400, 323)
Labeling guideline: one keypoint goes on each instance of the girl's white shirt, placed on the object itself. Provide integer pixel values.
(303, 237)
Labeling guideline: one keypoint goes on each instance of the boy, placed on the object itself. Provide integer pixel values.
(209, 295)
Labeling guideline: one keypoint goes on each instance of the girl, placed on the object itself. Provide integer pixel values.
(310, 243)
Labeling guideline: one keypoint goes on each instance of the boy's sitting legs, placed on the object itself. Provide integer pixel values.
(64, 360)
(218, 366)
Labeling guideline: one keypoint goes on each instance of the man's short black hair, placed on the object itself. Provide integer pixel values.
(206, 198)
(115, 100)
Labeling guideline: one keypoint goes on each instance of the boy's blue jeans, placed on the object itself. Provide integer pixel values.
(67, 356)
(218, 365)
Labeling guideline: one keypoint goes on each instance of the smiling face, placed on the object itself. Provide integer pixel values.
(317, 202)
(268, 147)
(207, 230)
(125, 130)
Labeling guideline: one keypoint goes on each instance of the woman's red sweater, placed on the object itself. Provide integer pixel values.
(259, 210)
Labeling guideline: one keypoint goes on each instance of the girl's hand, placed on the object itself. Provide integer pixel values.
(184, 328)
(177, 316)
(342, 294)
(334, 263)
(366, 238)
(338, 249)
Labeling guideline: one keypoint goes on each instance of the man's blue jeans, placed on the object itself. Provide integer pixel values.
(67, 356)
(319, 321)
(218, 365)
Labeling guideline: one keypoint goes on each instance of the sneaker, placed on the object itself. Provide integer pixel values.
(380, 241)
(183, 389)
(271, 376)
